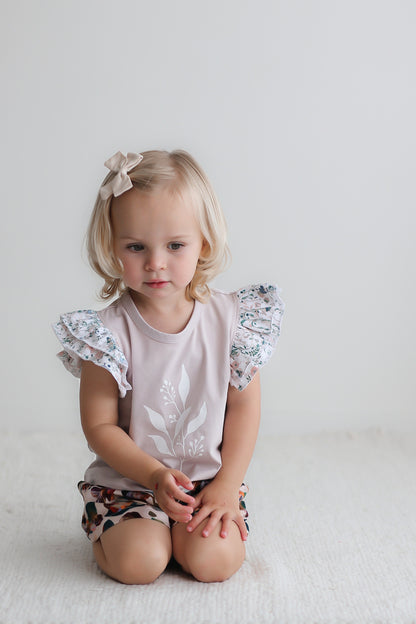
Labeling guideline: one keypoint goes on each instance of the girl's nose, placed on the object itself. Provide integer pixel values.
(155, 262)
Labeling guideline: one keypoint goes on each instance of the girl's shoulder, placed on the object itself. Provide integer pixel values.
(259, 315)
(84, 337)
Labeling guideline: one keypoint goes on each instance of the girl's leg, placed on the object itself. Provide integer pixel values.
(208, 559)
(135, 551)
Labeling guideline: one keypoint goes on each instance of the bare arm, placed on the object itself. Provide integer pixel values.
(240, 432)
(219, 499)
(99, 419)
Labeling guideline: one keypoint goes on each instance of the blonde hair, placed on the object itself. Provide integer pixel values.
(158, 170)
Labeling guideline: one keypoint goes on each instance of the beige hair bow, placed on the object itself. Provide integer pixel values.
(121, 165)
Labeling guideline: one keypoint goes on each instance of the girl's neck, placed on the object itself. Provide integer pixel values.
(169, 318)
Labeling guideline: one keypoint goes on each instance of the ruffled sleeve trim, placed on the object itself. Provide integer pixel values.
(257, 331)
(84, 337)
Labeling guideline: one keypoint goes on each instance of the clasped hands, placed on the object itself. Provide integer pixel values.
(218, 502)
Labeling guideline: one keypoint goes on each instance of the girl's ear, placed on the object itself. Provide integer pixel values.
(204, 249)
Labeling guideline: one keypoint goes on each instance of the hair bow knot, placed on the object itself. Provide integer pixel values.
(121, 165)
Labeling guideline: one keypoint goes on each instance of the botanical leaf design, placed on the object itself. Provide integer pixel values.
(168, 392)
(157, 420)
(161, 445)
(196, 447)
(181, 421)
(198, 421)
(184, 385)
(167, 445)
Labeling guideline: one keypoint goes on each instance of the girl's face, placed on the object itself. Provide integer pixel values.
(158, 240)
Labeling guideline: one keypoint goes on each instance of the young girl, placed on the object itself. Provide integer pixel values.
(169, 395)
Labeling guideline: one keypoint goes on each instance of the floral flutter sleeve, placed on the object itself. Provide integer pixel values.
(84, 337)
(257, 331)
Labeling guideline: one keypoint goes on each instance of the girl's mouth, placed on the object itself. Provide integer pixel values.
(156, 284)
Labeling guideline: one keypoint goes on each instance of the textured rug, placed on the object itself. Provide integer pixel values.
(333, 539)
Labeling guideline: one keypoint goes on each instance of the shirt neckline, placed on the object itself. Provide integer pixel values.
(130, 307)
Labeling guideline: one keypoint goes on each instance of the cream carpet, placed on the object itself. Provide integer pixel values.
(333, 539)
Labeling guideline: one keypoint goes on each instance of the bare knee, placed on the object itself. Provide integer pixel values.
(209, 560)
(134, 552)
(214, 567)
(134, 569)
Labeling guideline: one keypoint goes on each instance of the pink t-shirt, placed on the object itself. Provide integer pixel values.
(173, 387)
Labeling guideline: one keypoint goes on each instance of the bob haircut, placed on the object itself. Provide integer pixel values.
(159, 170)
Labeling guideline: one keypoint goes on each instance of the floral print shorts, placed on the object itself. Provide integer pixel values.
(105, 507)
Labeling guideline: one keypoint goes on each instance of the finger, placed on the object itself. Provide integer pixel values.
(178, 513)
(197, 501)
(173, 492)
(182, 479)
(211, 524)
(226, 526)
(166, 498)
(197, 518)
(242, 527)
(178, 493)
(173, 507)
(180, 517)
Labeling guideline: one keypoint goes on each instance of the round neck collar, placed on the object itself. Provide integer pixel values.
(131, 309)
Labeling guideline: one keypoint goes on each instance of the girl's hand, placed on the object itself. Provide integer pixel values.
(165, 486)
(219, 502)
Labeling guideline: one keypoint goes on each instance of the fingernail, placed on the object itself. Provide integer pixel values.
(205, 533)
(189, 529)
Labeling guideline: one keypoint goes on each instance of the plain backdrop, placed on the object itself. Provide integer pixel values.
(302, 113)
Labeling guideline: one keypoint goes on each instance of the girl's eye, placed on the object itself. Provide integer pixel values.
(175, 246)
(135, 247)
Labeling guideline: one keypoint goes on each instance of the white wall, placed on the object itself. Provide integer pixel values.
(301, 112)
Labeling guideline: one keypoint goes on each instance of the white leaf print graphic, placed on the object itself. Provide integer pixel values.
(177, 427)
(161, 445)
(184, 386)
(198, 421)
(181, 421)
(157, 420)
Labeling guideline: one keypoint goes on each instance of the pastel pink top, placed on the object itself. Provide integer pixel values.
(173, 387)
